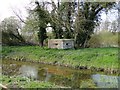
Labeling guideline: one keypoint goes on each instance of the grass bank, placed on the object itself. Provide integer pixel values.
(24, 82)
(15, 82)
(88, 58)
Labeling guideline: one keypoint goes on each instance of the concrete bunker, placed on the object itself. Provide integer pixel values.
(61, 43)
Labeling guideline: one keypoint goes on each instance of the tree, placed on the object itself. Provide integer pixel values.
(9, 28)
(10, 24)
(69, 19)
(43, 20)
(79, 29)
(86, 18)
(34, 30)
(90, 12)
(119, 16)
(56, 20)
(30, 29)
(114, 26)
(62, 16)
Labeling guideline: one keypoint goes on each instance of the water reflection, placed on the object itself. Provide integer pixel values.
(105, 81)
(59, 75)
(0, 69)
(48, 76)
(29, 71)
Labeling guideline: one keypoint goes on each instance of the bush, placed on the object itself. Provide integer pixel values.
(104, 39)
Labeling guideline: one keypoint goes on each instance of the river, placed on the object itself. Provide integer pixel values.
(59, 75)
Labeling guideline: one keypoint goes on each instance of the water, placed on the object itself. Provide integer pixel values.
(62, 76)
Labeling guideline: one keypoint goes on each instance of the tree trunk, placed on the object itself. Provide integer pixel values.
(41, 43)
(42, 36)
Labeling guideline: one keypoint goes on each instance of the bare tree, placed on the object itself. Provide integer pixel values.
(119, 16)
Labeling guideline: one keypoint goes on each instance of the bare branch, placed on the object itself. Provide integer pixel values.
(19, 17)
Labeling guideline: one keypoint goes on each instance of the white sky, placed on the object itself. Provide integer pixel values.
(6, 7)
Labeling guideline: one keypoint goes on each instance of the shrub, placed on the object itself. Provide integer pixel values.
(104, 39)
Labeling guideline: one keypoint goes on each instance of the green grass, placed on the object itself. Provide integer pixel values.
(97, 57)
(24, 82)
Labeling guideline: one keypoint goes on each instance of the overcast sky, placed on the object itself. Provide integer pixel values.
(6, 7)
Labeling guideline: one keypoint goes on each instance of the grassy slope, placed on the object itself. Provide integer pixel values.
(97, 57)
(22, 82)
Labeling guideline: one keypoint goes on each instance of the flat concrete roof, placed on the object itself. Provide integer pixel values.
(62, 39)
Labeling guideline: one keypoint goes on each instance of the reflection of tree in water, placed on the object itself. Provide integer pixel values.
(43, 74)
(18, 68)
(61, 77)
(0, 69)
(72, 80)
(10, 69)
(77, 78)
(29, 71)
